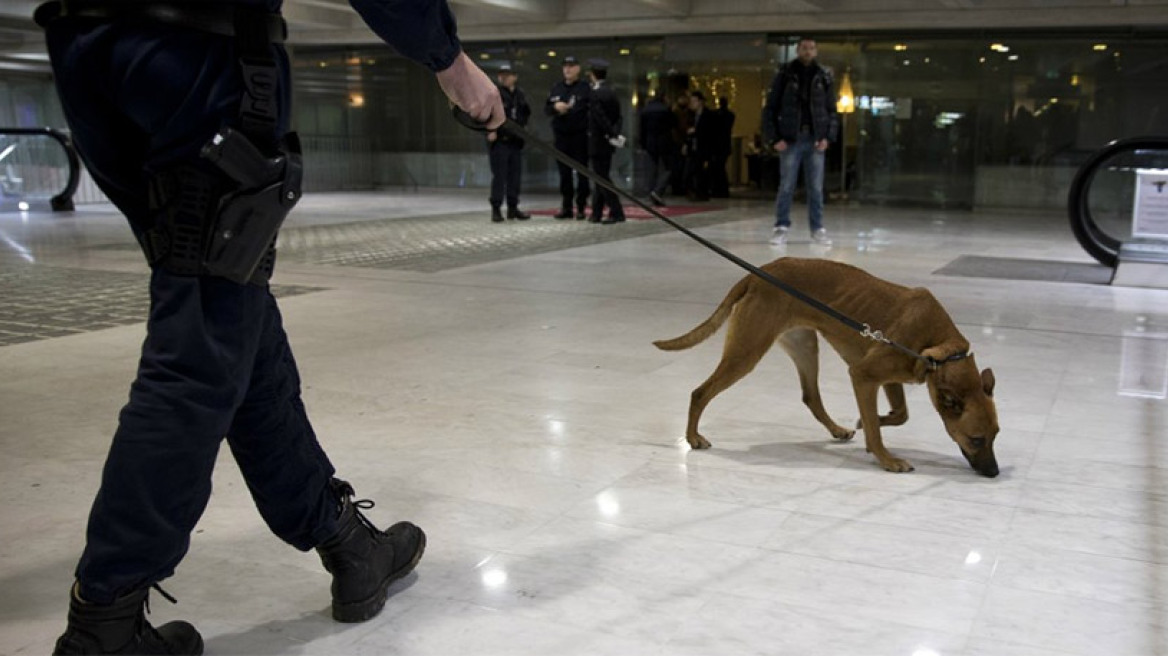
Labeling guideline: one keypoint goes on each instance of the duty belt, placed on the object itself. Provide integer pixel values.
(220, 18)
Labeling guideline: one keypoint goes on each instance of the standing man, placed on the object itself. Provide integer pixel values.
(506, 148)
(657, 125)
(723, 147)
(181, 115)
(567, 104)
(604, 137)
(800, 121)
(702, 135)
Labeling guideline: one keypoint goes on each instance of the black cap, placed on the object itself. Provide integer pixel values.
(506, 68)
(598, 64)
(571, 59)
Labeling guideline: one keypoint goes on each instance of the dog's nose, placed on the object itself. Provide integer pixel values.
(989, 471)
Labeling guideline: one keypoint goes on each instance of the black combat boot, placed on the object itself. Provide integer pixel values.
(363, 560)
(496, 215)
(514, 212)
(121, 628)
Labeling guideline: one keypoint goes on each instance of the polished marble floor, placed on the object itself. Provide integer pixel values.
(512, 404)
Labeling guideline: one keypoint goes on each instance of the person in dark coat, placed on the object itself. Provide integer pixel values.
(700, 145)
(723, 147)
(505, 149)
(799, 122)
(658, 124)
(604, 137)
(182, 118)
(567, 104)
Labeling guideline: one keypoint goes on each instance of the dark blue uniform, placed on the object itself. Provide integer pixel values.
(604, 123)
(571, 138)
(140, 98)
(505, 153)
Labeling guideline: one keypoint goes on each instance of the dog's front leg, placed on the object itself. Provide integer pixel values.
(866, 395)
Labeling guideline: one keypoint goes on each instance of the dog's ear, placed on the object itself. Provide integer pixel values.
(987, 381)
(934, 353)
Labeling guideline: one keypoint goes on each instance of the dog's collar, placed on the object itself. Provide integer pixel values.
(935, 364)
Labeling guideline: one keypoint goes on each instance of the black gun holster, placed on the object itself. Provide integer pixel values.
(222, 220)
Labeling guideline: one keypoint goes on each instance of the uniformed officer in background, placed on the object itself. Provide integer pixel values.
(505, 149)
(567, 104)
(180, 111)
(604, 137)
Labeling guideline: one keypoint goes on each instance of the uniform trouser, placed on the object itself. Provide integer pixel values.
(506, 167)
(573, 145)
(215, 363)
(602, 165)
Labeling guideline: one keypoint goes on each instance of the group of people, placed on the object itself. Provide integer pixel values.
(586, 122)
(193, 145)
(685, 146)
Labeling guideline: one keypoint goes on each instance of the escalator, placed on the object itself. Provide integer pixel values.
(1101, 208)
(38, 168)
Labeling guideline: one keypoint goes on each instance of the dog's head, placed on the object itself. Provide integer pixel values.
(964, 399)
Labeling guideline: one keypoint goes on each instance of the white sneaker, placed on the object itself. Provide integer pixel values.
(820, 237)
(779, 237)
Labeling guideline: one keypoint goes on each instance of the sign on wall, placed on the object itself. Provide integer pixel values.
(1150, 211)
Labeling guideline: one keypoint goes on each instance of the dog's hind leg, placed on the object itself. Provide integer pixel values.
(748, 339)
(899, 412)
(802, 345)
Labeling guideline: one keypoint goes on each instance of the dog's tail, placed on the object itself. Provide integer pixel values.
(710, 325)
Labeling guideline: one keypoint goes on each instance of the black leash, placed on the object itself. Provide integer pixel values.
(864, 329)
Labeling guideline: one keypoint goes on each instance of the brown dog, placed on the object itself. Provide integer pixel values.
(761, 314)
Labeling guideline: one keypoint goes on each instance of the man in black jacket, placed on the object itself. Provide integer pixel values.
(180, 112)
(723, 148)
(700, 145)
(656, 138)
(567, 104)
(604, 127)
(505, 149)
(799, 121)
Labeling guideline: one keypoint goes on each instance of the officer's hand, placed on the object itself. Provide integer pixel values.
(780, 146)
(492, 136)
(467, 86)
(562, 107)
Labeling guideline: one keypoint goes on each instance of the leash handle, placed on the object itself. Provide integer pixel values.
(518, 130)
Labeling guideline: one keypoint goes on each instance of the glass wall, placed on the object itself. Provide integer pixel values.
(945, 121)
(952, 120)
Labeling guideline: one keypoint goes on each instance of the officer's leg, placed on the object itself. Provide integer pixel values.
(287, 471)
(498, 161)
(157, 475)
(514, 171)
(563, 144)
(580, 154)
(598, 161)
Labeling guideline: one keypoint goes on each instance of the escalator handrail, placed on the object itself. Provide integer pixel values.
(1098, 244)
(63, 201)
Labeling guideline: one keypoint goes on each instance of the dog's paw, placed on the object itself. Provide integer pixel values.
(843, 434)
(897, 465)
(697, 442)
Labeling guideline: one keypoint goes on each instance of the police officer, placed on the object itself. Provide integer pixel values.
(604, 127)
(505, 149)
(180, 112)
(567, 104)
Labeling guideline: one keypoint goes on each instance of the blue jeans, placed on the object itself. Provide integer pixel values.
(801, 151)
